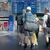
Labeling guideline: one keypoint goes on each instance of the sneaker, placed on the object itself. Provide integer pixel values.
(22, 44)
(25, 45)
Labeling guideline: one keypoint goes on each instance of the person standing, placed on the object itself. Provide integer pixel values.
(30, 22)
(46, 25)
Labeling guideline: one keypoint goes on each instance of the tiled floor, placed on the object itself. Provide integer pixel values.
(8, 43)
(41, 44)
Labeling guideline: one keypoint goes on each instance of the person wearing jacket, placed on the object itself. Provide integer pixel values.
(30, 22)
(46, 25)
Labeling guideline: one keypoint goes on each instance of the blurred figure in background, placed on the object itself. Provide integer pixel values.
(21, 29)
(22, 24)
(46, 25)
(45, 17)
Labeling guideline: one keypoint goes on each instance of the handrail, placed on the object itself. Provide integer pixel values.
(4, 17)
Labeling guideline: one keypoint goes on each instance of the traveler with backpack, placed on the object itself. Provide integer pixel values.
(30, 22)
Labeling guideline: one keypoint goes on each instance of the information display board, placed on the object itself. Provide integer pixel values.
(17, 0)
(20, 7)
(17, 7)
(14, 7)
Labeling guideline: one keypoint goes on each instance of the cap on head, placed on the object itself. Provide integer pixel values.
(46, 9)
(28, 8)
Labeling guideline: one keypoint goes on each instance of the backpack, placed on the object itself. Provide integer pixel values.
(48, 21)
(30, 25)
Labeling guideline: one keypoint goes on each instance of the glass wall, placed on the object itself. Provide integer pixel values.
(42, 4)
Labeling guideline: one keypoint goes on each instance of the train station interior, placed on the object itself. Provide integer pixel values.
(24, 25)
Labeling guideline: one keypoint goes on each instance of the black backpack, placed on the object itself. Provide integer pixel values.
(48, 21)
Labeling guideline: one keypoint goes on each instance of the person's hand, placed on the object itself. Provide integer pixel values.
(37, 19)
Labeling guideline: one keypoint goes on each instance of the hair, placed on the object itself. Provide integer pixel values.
(28, 10)
(46, 9)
